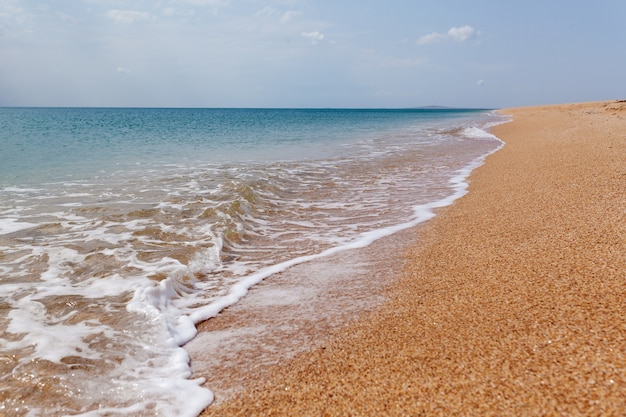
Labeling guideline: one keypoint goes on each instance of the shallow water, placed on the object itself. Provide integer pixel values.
(120, 229)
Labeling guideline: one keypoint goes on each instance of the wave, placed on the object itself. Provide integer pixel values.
(110, 276)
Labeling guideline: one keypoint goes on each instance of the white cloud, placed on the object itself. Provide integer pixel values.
(314, 37)
(480, 82)
(460, 34)
(289, 16)
(127, 16)
(122, 70)
(431, 38)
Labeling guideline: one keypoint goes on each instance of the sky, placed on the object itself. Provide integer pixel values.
(311, 53)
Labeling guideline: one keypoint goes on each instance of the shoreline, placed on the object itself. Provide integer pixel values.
(306, 299)
(510, 301)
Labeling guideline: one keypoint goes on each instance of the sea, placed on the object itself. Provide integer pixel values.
(122, 229)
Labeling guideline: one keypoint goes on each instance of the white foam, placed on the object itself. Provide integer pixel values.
(157, 381)
(13, 225)
(51, 339)
(20, 190)
(421, 212)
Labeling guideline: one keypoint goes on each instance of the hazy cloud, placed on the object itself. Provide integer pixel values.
(168, 11)
(289, 16)
(127, 16)
(267, 11)
(64, 17)
(213, 3)
(11, 12)
(8, 9)
(460, 34)
(314, 37)
(430, 38)
(285, 17)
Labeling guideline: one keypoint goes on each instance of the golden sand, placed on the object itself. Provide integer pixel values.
(513, 303)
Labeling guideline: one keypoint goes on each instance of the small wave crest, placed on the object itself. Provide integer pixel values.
(478, 133)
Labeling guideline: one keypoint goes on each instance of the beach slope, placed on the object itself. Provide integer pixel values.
(513, 302)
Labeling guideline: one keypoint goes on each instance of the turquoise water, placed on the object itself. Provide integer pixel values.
(43, 144)
(120, 229)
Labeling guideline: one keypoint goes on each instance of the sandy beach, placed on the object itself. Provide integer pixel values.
(512, 302)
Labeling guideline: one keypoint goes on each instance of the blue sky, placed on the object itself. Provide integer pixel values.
(310, 53)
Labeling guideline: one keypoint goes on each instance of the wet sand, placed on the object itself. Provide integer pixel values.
(512, 301)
